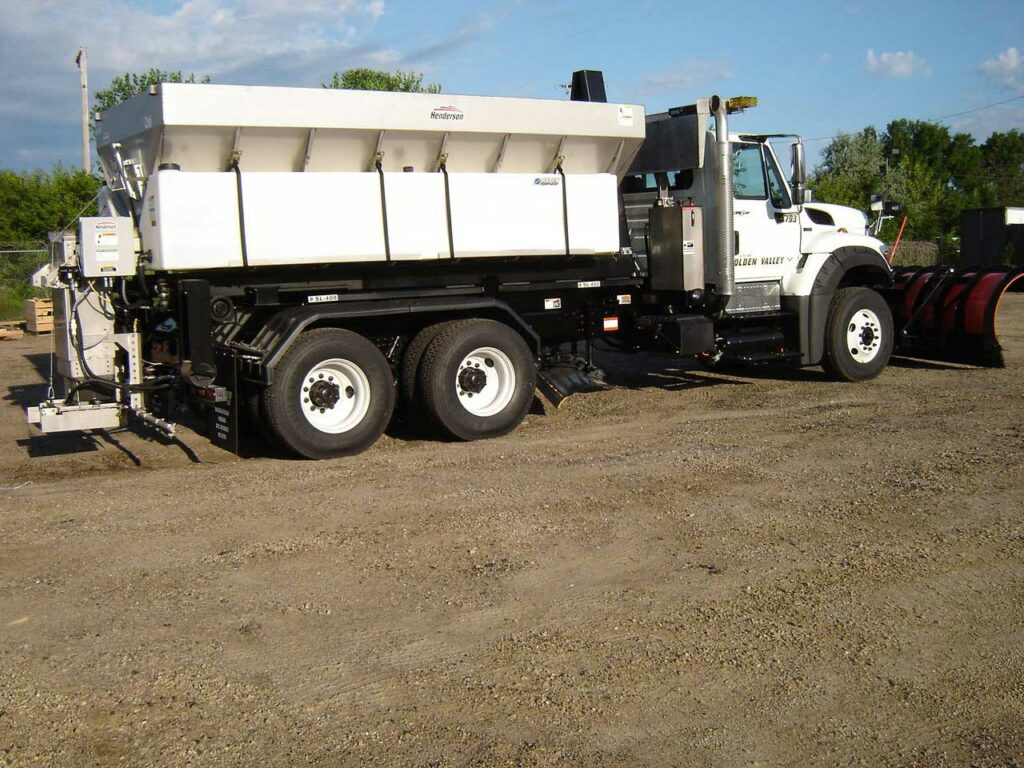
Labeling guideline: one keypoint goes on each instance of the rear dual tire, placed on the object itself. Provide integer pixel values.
(334, 391)
(333, 394)
(408, 376)
(476, 379)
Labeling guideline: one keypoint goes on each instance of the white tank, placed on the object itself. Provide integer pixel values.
(308, 160)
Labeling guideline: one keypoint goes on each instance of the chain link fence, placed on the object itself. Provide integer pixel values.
(17, 263)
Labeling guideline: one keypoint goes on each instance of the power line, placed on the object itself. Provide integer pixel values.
(976, 109)
(943, 117)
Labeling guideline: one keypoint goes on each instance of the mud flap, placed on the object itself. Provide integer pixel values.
(558, 380)
(224, 418)
(949, 313)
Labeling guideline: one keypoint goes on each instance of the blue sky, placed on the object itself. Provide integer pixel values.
(817, 67)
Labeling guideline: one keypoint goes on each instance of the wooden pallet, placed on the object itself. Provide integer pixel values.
(10, 334)
(39, 316)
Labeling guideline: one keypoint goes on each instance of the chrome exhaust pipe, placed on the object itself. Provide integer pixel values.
(726, 277)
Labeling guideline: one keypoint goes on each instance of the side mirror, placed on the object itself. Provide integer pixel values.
(799, 180)
(891, 208)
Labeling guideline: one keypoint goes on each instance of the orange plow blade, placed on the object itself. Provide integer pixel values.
(949, 313)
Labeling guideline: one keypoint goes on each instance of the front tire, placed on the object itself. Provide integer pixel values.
(858, 335)
(333, 394)
(477, 379)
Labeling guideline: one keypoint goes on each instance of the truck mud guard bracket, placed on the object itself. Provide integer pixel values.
(278, 334)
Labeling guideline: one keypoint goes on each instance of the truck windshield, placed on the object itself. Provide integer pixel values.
(748, 171)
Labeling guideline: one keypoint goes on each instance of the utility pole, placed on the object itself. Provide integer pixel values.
(82, 60)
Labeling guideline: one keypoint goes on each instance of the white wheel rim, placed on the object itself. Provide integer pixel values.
(485, 381)
(864, 336)
(335, 396)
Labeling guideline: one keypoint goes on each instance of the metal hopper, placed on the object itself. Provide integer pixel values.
(230, 176)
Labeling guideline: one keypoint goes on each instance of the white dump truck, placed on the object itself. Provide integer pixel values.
(305, 262)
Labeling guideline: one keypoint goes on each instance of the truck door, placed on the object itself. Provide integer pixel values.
(766, 221)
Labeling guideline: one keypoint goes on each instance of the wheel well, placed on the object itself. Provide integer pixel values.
(408, 325)
(866, 276)
(849, 267)
(381, 321)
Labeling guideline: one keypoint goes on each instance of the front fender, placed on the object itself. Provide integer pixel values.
(832, 241)
(857, 261)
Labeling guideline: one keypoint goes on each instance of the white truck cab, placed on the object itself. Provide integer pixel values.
(790, 257)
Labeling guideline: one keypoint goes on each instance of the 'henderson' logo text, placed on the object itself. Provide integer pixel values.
(446, 113)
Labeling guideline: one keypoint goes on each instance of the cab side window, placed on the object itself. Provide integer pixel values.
(776, 186)
(748, 177)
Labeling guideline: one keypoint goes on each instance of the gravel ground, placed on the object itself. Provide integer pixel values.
(688, 569)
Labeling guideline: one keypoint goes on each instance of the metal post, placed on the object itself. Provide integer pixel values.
(82, 60)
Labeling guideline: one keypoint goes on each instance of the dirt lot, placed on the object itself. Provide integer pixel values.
(689, 569)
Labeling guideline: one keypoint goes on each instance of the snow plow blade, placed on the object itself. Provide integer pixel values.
(949, 313)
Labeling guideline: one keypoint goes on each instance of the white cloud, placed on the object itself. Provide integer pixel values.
(208, 35)
(825, 57)
(896, 64)
(1006, 69)
(687, 75)
(265, 42)
(466, 33)
(374, 9)
(299, 43)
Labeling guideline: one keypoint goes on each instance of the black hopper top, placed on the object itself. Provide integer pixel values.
(588, 85)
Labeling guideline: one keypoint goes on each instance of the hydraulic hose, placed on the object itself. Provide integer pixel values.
(129, 305)
(94, 380)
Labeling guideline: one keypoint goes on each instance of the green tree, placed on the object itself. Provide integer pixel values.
(853, 168)
(925, 201)
(1003, 169)
(965, 163)
(123, 87)
(32, 204)
(362, 79)
(953, 160)
(918, 140)
(935, 174)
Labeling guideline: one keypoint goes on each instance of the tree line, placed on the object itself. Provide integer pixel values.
(934, 173)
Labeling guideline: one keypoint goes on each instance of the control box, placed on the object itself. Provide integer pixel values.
(106, 246)
(676, 253)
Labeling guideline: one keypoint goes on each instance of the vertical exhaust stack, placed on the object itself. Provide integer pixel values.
(588, 85)
(726, 278)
